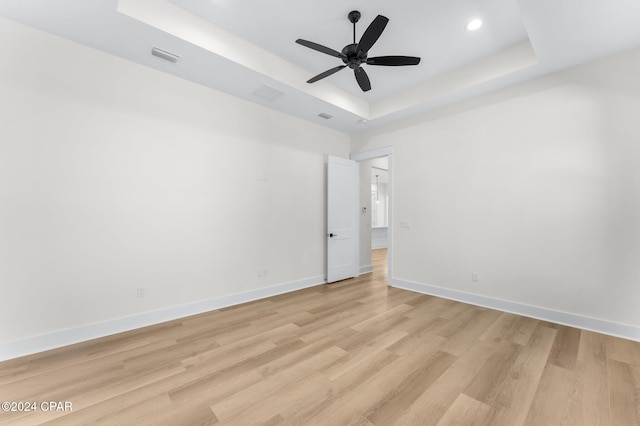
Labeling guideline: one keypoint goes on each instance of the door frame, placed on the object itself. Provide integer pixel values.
(370, 155)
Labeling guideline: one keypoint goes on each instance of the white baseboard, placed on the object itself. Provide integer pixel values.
(366, 269)
(57, 339)
(378, 245)
(572, 320)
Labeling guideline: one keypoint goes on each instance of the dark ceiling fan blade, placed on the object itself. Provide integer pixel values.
(363, 79)
(372, 33)
(393, 61)
(320, 48)
(327, 73)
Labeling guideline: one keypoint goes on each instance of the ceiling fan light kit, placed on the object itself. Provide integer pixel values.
(356, 54)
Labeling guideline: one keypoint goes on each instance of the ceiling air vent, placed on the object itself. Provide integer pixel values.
(267, 93)
(325, 115)
(163, 54)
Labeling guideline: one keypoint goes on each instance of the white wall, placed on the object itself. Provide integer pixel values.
(114, 176)
(379, 238)
(380, 208)
(535, 188)
(379, 181)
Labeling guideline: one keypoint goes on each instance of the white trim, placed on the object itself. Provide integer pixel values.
(390, 214)
(374, 153)
(366, 269)
(558, 317)
(57, 339)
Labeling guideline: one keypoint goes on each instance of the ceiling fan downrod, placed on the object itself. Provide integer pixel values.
(354, 17)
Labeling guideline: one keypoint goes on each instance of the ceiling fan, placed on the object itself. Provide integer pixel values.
(354, 55)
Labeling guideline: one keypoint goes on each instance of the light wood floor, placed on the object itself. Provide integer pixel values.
(350, 353)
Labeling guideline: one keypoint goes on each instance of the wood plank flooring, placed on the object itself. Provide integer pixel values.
(351, 353)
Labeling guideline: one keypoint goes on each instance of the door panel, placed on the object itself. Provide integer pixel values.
(342, 219)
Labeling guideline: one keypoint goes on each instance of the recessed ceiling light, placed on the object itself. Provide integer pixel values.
(473, 24)
(325, 115)
(363, 121)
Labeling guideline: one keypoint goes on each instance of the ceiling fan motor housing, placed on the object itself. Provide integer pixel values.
(353, 59)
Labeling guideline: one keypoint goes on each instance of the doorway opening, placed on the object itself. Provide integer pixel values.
(379, 223)
(375, 210)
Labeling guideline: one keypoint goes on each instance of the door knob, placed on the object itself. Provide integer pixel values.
(333, 235)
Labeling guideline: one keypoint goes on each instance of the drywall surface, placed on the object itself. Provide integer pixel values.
(115, 177)
(535, 189)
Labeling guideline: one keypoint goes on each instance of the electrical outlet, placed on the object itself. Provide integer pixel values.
(262, 273)
(405, 224)
(474, 277)
(140, 292)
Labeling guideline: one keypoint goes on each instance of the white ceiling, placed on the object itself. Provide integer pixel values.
(237, 46)
(432, 30)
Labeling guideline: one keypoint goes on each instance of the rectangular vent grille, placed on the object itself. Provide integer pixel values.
(325, 115)
(163, 54)
(267, 93)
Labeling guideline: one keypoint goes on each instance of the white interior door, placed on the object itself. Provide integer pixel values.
(342, 219)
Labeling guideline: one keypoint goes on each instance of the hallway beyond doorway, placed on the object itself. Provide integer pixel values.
(379, 263)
